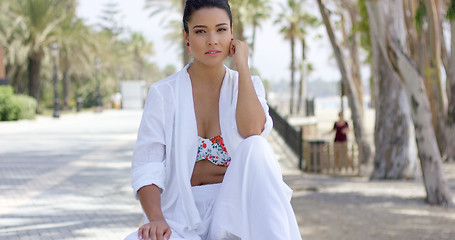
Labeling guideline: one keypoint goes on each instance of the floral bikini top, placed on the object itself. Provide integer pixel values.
(213, 149)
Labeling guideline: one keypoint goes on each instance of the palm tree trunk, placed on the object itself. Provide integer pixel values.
(364, 147)
(302, 82)
(291, 101)
(253, 42)
(239, 29)
(2, 65)
(34, 86)
(66, 87)
(435, 183)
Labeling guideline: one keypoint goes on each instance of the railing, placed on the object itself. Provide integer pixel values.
(330, 158)
(4, 81)
(291, 136)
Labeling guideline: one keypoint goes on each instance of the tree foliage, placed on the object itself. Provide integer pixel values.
(28, 27)
(451, 10)
(421, 13)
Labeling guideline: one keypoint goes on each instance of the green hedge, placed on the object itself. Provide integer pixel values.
(15, 107)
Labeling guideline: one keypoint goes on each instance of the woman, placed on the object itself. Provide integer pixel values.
(202, 168)
(341, 128)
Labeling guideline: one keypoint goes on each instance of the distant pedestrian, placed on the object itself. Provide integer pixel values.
(117, 97)
(202, 167)
(340, 149)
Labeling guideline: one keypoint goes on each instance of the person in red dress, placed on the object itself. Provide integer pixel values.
(341, 128)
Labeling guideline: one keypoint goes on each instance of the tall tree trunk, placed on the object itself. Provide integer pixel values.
(292, 84)
(412, 43)
(139, 64)
(253, 44)
(66, 87)
(446, 63)
(396, 151)
(354, 45)
(373, 94)
(302, 82)
(18, 78)
(436, 186)
(34, 86)
(434, 75)
(365, 150)
(451, 108)
(2, 63)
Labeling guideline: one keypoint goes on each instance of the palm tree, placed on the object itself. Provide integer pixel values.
(171, 6)
(12, 32)
(76, 44)
(258, 11)
(290, 18)
(43, 19)
(111, 20)
(2, 43)
(308, 20)
(140, 48)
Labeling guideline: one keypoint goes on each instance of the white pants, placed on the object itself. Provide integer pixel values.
(251, 203)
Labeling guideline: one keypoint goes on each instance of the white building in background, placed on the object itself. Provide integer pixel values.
(133, 93)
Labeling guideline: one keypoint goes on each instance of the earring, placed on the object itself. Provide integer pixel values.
(188, 44)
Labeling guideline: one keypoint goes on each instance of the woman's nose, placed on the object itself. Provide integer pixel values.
(212, 40)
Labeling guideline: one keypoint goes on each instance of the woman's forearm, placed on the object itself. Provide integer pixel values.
(150, 198)
(250, 115)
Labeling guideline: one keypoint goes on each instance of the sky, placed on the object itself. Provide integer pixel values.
(272, 55)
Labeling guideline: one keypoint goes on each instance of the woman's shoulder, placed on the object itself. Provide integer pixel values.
(165, 81)
(168, 83)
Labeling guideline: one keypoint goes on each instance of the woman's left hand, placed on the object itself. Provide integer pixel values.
(239, 50)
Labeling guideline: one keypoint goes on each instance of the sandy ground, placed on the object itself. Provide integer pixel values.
(342, 207)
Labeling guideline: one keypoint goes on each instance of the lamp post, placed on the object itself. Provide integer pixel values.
(98, 83)
(54, 53)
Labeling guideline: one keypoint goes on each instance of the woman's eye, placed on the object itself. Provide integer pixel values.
(199, 31)
(222, 29)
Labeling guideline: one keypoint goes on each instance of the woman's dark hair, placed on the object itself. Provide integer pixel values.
(194, 5)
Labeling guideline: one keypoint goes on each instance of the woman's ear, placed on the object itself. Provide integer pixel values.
(185, 36)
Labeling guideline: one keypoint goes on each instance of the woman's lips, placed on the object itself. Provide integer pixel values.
(212, 52)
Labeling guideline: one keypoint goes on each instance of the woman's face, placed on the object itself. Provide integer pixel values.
(209, 35)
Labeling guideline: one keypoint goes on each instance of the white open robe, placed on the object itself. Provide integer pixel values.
(166, 147)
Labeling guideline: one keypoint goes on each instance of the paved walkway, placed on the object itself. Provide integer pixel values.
(69, 178)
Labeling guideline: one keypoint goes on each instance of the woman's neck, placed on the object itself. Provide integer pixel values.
(208, 76)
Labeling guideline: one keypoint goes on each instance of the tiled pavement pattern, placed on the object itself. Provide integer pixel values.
(69, 178)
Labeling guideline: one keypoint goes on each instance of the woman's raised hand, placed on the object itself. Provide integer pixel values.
(155, 230)
(239, 50)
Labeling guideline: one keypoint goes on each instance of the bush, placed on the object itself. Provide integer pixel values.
(15, 107)
(6, 93)
(24, 107)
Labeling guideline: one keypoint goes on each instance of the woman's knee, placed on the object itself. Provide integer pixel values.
(254, 143)
(255, 150)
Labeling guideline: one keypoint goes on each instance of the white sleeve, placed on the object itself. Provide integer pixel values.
(148, 164)
(260, 92)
